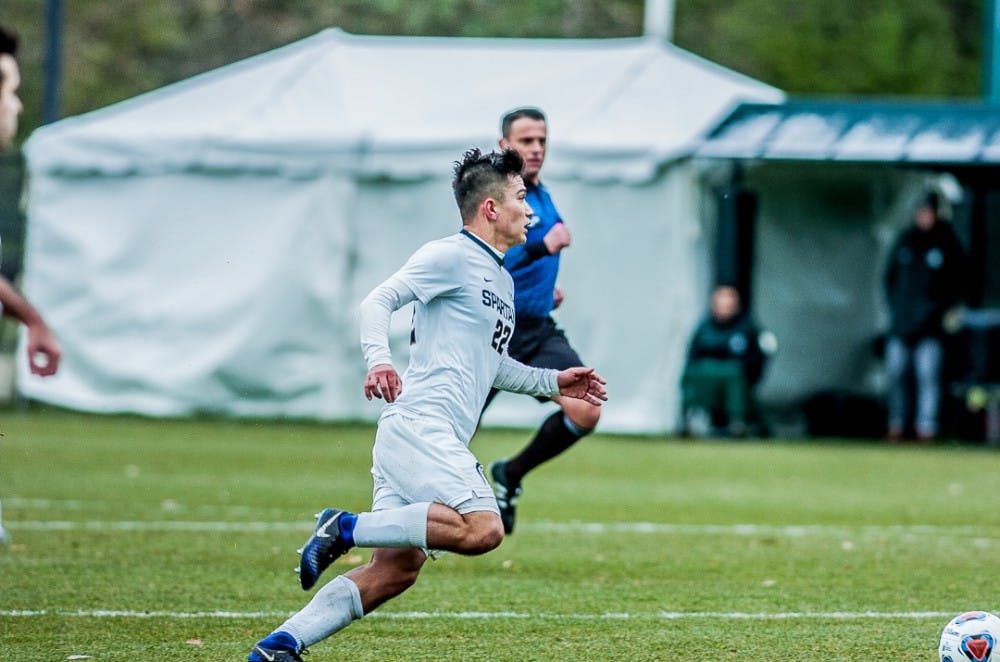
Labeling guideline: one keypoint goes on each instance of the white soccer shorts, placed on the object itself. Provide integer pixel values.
(418, 460)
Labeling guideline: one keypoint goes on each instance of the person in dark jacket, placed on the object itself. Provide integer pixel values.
(925, 279)
(724, 363)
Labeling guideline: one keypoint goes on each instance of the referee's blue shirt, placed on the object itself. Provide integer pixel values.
(534, 270)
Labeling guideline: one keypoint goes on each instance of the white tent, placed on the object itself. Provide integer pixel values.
(203, 247)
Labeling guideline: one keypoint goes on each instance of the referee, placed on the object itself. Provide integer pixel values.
(537, 341)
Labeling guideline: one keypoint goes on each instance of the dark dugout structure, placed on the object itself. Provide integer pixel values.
(816, 192)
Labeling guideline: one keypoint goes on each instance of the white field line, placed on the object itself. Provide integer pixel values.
(167, 506)
(968, 534)
(499, 615)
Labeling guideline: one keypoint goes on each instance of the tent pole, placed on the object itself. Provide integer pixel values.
(53, 62)
(991, 52)
(658, 19)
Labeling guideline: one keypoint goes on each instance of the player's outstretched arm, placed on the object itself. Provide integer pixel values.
(383, 382)
(583, 384)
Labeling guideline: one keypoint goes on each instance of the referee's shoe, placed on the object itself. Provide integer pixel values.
(325, 545)
(506, 497)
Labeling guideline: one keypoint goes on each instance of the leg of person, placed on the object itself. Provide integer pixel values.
(422, 474)
(699, 391)
(574, 420)
(402, 525)
(896, 362)
(343, 600)
(736, 394)
(334, 607)
(4, 536)
(927, 367)
(390, 572)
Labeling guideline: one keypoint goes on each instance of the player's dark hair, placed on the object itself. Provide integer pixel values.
(8, 41)
(8, 44)
(479, 176)
(512, 116)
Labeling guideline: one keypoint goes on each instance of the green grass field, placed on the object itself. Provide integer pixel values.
(137, 539)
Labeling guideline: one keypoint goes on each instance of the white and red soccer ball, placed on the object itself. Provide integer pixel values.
(971, 637)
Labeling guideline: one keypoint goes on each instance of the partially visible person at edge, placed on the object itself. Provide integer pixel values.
(725, 362)
(43, 349)
(537, 340)
(430, 492)
(925, 278)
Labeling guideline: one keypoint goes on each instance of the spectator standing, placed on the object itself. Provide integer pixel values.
(925, 278)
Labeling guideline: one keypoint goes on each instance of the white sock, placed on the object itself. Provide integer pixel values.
(398, 527)
(331, 610)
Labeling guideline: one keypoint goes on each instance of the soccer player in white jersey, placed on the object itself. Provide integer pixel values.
(430, 492)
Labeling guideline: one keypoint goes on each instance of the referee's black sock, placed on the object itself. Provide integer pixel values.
(552, 438)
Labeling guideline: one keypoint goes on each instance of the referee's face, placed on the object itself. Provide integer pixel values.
(10, 104)
(514, 215)
(528, 138)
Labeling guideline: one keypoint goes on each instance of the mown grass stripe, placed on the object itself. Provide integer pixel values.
(967, 533)
(481, 615)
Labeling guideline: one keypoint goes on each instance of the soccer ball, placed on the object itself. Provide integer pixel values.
(970, 637)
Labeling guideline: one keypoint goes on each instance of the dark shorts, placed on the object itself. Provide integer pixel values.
(542, 344)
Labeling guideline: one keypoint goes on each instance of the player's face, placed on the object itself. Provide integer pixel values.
(527, 137)
(10, 104)
(514, 215)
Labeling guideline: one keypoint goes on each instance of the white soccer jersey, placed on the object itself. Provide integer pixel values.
(463, 321)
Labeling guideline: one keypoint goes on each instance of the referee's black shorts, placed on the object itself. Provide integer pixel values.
(542, 344)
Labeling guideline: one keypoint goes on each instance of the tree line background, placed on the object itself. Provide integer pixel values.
(884, 48)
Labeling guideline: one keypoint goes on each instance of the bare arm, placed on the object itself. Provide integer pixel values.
(43, 348)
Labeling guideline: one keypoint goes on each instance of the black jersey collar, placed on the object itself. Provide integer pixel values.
(492, 252)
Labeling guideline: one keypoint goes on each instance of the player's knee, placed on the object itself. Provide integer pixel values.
(583, 415)
(483, 538)
(590, 417)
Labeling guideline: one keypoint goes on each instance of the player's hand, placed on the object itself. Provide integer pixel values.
(43, 350)
(557, 238)
(383, 382)
(557, 297)
(583, 384)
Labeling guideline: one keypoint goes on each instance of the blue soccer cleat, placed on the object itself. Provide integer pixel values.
(276, 647)
(324, 547)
